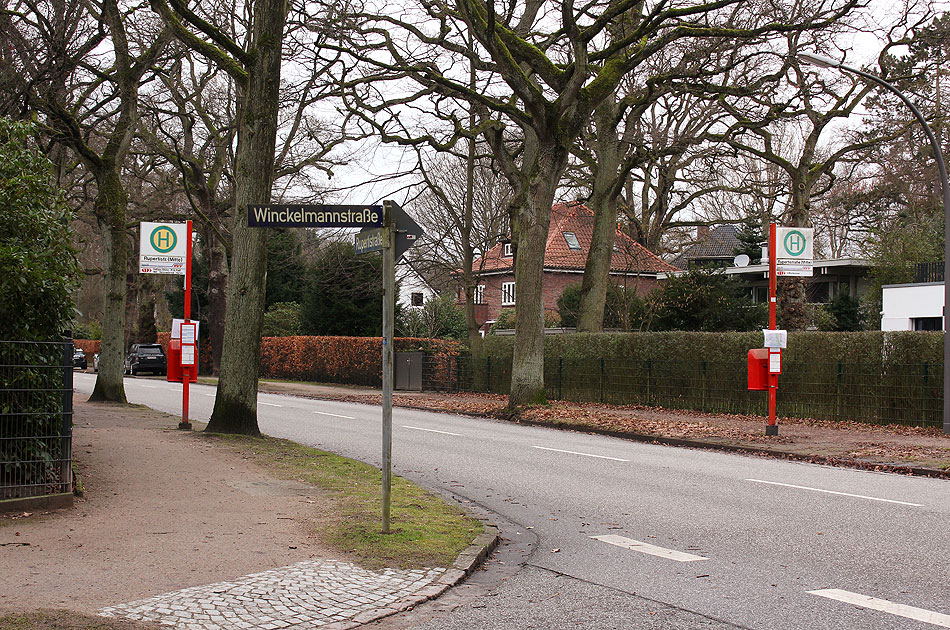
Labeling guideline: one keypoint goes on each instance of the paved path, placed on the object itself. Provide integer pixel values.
(313, 594)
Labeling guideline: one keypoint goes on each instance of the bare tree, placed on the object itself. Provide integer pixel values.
(548, 65)
(456, 233)
(80, 65)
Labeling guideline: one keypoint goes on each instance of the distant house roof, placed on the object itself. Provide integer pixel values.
(719, 244)
(569, 238)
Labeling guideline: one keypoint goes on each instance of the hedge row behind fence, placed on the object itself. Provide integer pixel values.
(347, 360)
(872, 377)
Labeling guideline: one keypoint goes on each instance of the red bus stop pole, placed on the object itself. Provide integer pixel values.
(772, 428)
(186, 369)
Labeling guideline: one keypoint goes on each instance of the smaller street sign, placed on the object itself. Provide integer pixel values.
(163, 247)
(374, 240)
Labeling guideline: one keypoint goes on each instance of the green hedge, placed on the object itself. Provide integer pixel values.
(893, 377)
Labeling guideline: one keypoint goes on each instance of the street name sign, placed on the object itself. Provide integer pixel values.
(318, 216)
(794, 251)
(372, 240)
(163, 248)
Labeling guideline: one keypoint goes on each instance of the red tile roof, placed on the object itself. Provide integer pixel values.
(629, 256)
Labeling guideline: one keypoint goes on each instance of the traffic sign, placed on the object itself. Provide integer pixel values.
(318, 216)
(794, 251)
(407, 230)
(163, 247)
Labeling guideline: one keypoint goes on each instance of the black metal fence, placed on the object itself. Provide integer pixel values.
(908, 394)
(36, 389)
(928, 272)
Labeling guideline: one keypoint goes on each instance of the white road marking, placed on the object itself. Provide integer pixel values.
(558, 450)
(148, 386)
(653, 550)
(406, 426)
(844, 494)
(269, 404)
(883, 605)
(206, 394)
(335, 415)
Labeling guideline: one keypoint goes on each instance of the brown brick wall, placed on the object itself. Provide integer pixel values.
(554, 285)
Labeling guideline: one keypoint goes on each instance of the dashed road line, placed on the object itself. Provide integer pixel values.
(653, 550)
(335, 415)
(406, 426)
(844, 494)
(558, 450)
(269, 404)
(883, 605)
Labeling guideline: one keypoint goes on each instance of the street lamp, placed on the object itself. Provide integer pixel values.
(825, 62)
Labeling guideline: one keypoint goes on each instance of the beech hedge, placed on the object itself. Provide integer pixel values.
(345, 360)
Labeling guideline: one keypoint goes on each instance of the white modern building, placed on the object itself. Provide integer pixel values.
(917, 306)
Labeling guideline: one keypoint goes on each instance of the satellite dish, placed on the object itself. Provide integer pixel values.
(742, 260)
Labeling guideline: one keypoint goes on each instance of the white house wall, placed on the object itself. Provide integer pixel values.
(409, 283)
(902, 303)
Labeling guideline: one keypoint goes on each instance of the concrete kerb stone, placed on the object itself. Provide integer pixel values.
(469, 560)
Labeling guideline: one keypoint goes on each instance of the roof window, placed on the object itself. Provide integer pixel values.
(571, 239)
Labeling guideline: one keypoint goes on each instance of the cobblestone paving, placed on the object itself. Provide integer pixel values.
(313, 594)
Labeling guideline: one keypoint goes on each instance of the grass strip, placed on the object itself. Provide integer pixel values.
(425, 531)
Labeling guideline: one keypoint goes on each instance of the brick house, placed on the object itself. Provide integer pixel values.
(569, 237)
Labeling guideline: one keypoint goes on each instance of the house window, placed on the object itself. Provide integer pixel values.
(416, 299)
(507, 293)
(571, 239)
(928, 323)
(507, 252)
(479, 296)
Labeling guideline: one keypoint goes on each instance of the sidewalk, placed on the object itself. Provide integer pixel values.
(177, 531)
(899, 449)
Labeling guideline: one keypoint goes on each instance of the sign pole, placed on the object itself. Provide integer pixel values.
(389, 281)
(772, 428)
(186, 370)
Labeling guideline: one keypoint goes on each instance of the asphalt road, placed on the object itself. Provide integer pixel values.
(634, 535)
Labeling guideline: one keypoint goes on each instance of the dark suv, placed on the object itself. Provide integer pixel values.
(146, 357)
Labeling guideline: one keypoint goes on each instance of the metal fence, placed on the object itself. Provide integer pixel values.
(885, 393)
(928, 272)
(36, 389)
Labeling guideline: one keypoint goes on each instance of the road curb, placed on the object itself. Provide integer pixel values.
(745, 450)
(466, 563)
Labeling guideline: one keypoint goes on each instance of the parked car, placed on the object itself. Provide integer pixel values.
(146, 357)
(95, 362)
(79, 359)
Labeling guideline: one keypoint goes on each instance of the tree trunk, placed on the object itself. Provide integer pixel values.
(792, 300)
(531, 228)
(109, 208)
(603, 202)
(217, 296)
(235, 406)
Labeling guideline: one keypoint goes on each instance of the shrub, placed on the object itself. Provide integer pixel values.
(38, 267)
(282, 320)
(440, 317)
(705, 299)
